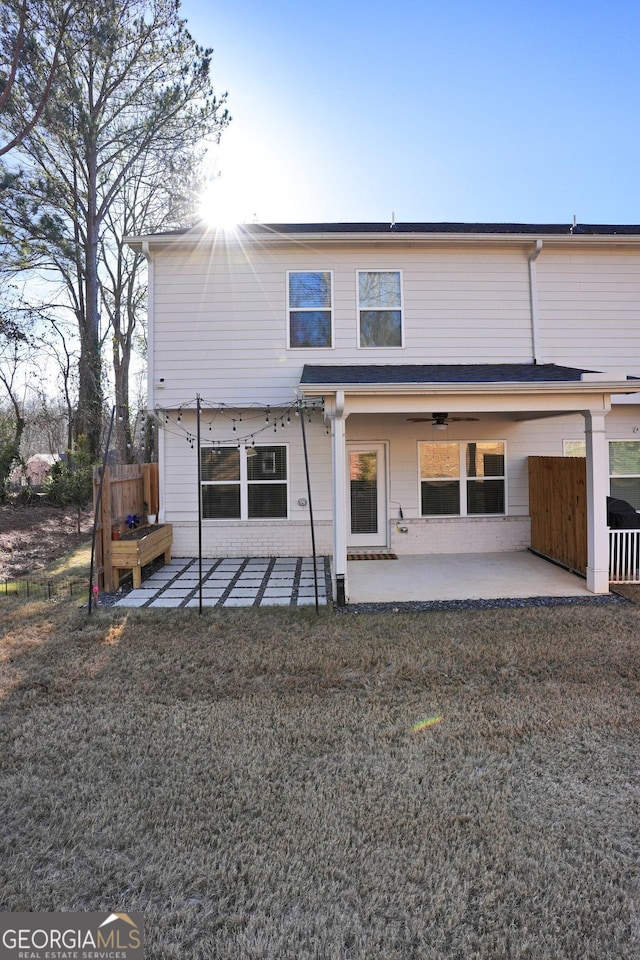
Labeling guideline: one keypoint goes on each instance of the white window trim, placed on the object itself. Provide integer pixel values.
(402, 324)
(310, 310)
(620, 476)
(244, 488)
(462, 479)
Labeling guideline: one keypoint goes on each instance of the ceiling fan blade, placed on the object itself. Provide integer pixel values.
(441, 418)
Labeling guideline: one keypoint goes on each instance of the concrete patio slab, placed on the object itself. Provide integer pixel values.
(470, 576)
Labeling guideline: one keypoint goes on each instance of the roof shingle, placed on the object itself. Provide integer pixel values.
(372, 373)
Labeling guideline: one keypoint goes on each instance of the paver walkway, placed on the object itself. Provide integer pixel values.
(249, 582)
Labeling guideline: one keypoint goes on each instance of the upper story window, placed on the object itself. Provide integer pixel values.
(462, 479)
(310, 307)
(380, 308)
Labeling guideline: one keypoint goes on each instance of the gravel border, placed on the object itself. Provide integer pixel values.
(126, 584)
(417, 606)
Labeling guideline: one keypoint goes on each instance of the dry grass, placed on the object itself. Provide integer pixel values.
(251, 780)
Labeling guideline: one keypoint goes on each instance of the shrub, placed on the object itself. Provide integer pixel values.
(71, 480)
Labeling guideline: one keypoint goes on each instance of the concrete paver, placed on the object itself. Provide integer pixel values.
(232, 582)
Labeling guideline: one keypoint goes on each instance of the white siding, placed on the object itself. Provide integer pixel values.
(251, 537)
(220, 331)
(590, 309)
(221, 325)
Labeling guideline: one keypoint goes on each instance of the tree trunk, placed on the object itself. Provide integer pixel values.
(88, 419)
(122, 423)
(89, 416)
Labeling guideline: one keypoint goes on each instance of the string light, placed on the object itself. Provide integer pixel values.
(240, 415)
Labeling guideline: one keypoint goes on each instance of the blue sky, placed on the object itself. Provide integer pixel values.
(462, 110)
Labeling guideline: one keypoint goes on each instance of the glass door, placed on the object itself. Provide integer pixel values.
(366, 489)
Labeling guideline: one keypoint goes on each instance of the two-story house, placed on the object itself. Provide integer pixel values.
(427, 362)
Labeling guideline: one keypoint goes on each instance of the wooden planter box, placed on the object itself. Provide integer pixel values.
(138, 548)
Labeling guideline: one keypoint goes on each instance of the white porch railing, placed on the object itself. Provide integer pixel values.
(624, 556)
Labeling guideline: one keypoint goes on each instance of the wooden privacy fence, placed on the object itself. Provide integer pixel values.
(131, 489)
(558, 508)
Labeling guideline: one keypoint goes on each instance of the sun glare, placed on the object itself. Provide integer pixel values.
(219, 209)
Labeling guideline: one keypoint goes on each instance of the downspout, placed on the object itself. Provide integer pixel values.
(339, 467)
(150, 391)
(151, 397)
(533, 294)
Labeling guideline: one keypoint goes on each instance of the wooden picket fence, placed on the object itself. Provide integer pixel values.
(558, 508)
(624, 556)
(125, 491)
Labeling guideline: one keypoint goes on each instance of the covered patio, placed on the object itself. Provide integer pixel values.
(469, 576)
(519, 393)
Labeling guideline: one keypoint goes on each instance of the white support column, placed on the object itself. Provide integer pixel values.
(597, 492)
(339, 466)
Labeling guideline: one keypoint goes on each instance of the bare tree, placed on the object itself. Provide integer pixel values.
(131, 108)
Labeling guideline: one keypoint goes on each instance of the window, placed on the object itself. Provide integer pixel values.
(244, 484)
(380, 308)
(574, 448)
(310, 309)
(462, 479)
(624, 467)
(624, 471)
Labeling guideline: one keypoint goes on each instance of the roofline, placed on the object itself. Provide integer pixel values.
(481, 389)
(414, 233)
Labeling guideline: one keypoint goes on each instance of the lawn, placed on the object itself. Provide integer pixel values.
(254, 781)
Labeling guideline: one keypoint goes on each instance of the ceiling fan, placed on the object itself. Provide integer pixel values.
(440, 421)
